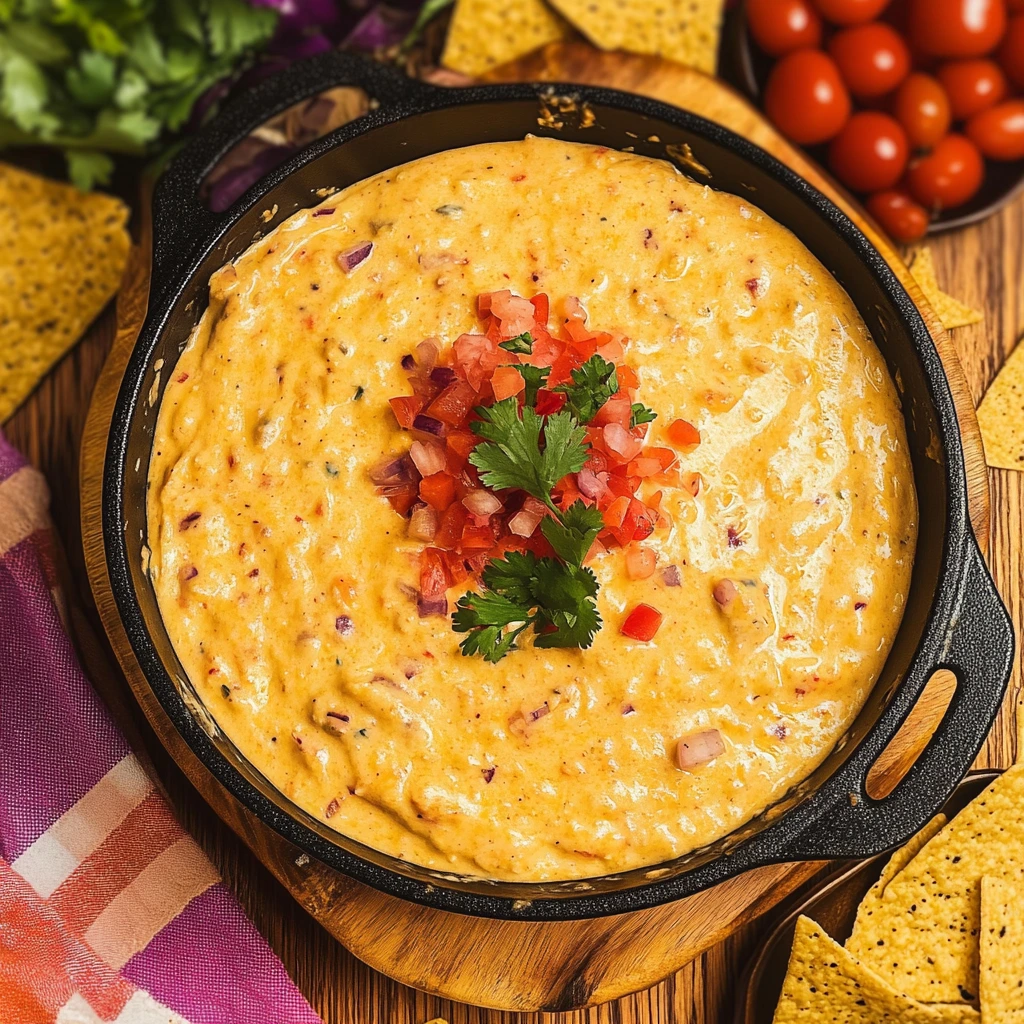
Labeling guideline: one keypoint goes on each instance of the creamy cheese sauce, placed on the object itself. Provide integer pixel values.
(807, 491)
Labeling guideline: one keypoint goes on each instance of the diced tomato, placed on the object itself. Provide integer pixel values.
(617, 409)
(406, 409)
(506, 382)
(644, 466)
(561, 370)
(626, 375)
(683, 435)
(477, 357)
(438, 490)
(583, 350)
(612, 351)
(640, 562)
(545, 350)
(549, 402)
(458, 445)
(540, 308)
(477, 561)
(664, 455)
(402, 497)
(615, 513)
(642, 623)
(452, 406)
(483, 304)
(434, 577)
(456, 566)
(477, 538)
(449, 530)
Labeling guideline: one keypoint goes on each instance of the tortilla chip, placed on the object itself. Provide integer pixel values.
(923, 934)
(686, 31)
(825, 983)
(64, 254)
(483, 34)
(1002, 952)
(951, 312)
(1001, 415)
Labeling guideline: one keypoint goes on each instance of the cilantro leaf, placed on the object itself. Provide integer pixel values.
(86, 168)
(511, 457)
(567, 614)
(536, 377)
(573, 536)
(592, 385)
(521, 344)
(640, 413)
(510, 576)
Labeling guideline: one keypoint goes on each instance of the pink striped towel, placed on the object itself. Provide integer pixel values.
(108, 910)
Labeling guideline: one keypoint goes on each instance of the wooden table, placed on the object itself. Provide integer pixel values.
(982, 265)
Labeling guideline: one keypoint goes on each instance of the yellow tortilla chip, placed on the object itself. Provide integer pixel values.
(1001, 981)
(951, 312)
(686, 31)
(825, 983)
(922, 936)
(64, 254)
(1001, 415)
(483, 34)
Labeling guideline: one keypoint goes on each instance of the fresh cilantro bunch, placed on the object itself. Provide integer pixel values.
(96, 77)
(523, 450)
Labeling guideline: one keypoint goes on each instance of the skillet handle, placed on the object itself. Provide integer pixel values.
(979, 651)
(180, 220)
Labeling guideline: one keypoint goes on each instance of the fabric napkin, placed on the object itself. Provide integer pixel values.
(108, 910)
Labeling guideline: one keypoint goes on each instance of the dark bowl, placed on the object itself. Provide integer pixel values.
(747, 66)
(954, 618)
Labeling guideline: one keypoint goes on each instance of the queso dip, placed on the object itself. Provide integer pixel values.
(288, 583)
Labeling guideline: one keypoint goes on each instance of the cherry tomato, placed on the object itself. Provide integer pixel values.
(956, 28)
(870, 152)
(779, 26)
(850, 12)
(873, 58)
(922, 107)
(999, 131)
(947, 176)
(902, 218)
(972, 85)
(1011, 53)
(806, 98)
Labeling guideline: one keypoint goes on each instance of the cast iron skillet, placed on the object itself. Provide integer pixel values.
(953, 619)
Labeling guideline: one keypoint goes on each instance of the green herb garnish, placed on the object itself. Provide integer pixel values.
(521, 344)
(592, 385)
(536, 377)
(641, 414)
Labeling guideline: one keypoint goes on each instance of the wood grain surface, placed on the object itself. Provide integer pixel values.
(981, 264)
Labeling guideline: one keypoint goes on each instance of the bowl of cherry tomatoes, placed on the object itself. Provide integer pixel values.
(917, 106)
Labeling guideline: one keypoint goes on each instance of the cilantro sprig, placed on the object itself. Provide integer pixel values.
(592, 385)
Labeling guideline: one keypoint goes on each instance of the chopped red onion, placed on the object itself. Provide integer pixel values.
(540, 712)
(427, 352)
(190, 573)
(524, 523)
(188, 521)
(488, 773)
(423, 523)
(698, 748)
(593, 485)
(628, 709)
(408, 363)
(671, 576)
(336, 722)
(351, 258)
(428, 457)
(428, 606)
(428, 425)
(344, 625)
(725, 593)
(332, 808)
(326, 212)
(481, 502)
(443, 375)
(392, 471)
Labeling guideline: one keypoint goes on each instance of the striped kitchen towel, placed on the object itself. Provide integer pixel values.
(108, 910)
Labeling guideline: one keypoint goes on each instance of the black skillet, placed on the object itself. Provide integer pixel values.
(954, 618)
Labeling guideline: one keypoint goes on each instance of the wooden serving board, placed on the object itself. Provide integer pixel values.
(506, 965)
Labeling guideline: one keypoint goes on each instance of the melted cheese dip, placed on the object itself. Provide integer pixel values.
(277, 409)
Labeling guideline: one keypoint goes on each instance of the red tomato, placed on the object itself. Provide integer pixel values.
(438, 490)
(642, 623)
(922, 107)
(947, 176)
(902, 218)
(972, 85)
(999, 131)
(683, 435)
(1015, 6)
(1011, 53)
(850, 12)
(873, 59)
(779, 26)
(805, 97)
(870, 153)
(956, 28)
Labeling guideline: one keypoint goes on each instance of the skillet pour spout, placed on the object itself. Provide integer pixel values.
(953, 619)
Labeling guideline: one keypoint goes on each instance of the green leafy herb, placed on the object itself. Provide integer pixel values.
(573, 535)
(521, 344)
(592, 385)
(536, 377)
(95, 77)
(522, 590)
(430, 10)
(640, 413)
(512, 457)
